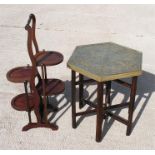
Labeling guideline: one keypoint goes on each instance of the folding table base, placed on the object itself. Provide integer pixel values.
(103, 109)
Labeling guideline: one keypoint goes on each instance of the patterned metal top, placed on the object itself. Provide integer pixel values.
(106, 61)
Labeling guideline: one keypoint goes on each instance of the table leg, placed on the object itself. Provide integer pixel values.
(99, 111)
(131, 105)
(45, 109)
(38, 114)
(73, 99)
(27, 99)
(80, 91)
(108, 90)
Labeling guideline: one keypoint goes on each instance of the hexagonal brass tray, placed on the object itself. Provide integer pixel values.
(106, 61)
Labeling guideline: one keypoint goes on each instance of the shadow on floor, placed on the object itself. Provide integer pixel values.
(64, 107)
(145, 89)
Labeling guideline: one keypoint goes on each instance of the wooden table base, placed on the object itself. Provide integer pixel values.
(103, 110)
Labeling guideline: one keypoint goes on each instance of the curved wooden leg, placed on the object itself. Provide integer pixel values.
(38, 116)
(38, 125)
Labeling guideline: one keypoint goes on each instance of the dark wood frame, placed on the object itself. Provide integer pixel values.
(102, 110)
(41, 122)
(42, 59)
(31, 40)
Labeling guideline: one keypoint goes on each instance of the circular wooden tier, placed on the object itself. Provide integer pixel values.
(48, 58)
(19, 102)
(52, 87)
(20, 74)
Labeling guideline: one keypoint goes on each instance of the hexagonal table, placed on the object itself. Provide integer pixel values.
(104, 63)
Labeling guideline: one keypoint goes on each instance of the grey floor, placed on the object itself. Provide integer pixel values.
(62, 28)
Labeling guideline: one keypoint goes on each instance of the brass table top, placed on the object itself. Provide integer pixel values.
(106, 61)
